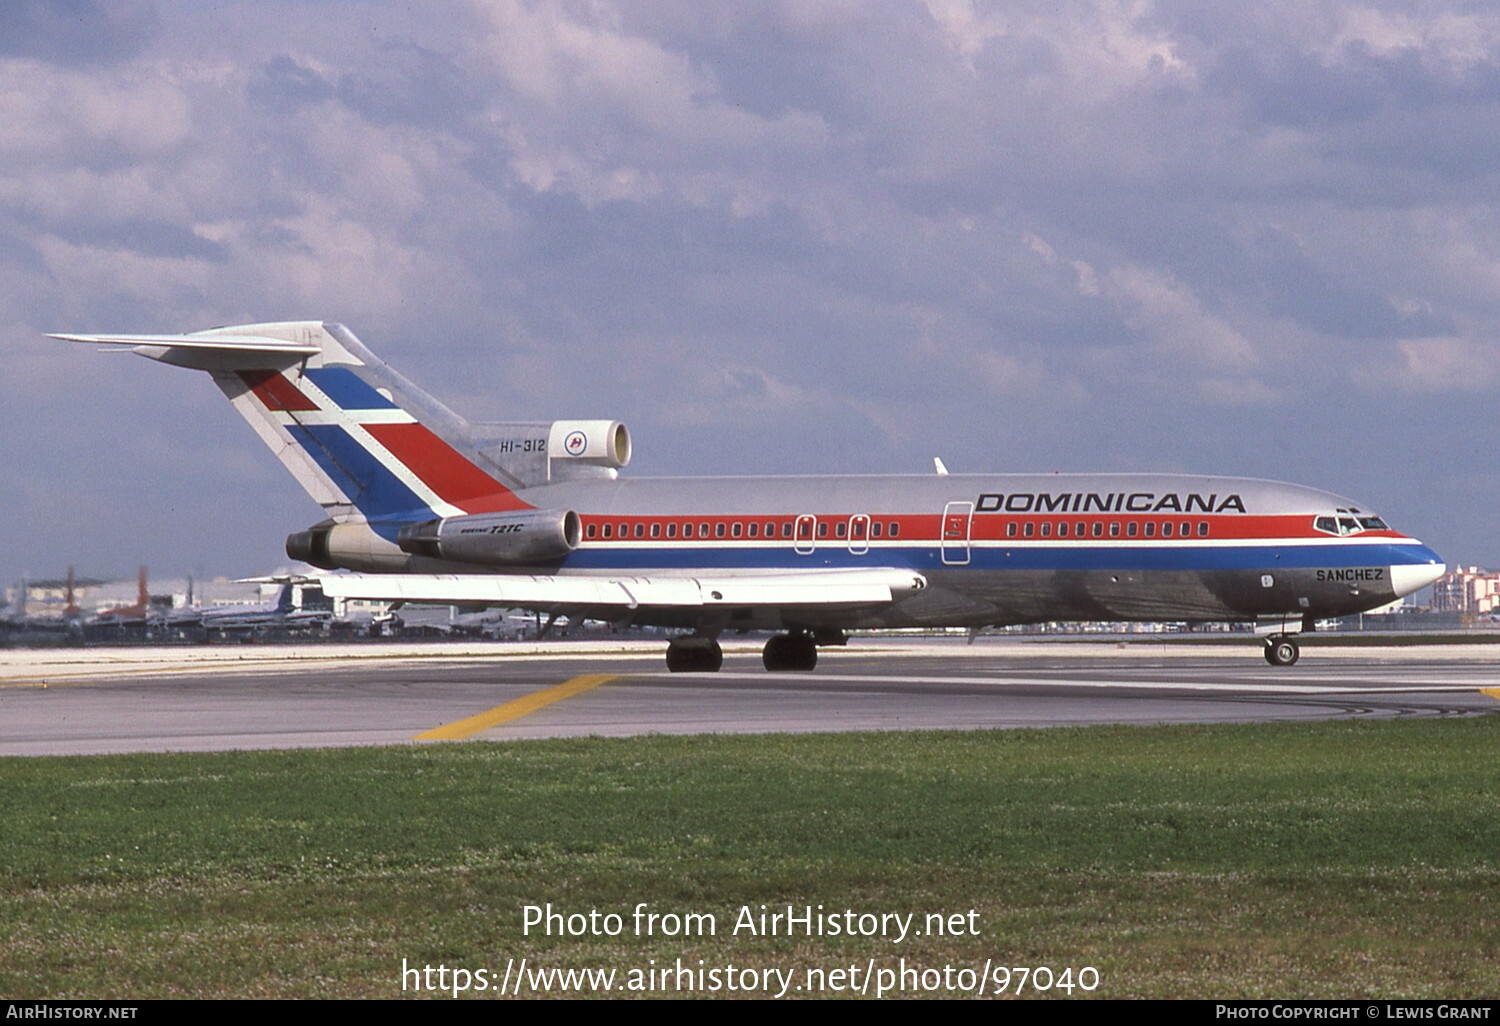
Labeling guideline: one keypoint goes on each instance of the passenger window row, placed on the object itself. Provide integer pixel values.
(858, 528)
(1099, 529)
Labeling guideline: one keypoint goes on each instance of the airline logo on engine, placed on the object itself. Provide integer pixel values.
(1107, 502)
(576, 443)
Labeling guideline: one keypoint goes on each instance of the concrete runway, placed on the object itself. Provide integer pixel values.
(86, 701)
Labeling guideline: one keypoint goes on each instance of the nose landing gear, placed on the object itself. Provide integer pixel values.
(1282, 650)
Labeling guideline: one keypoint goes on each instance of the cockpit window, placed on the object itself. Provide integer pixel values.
(1346, 524)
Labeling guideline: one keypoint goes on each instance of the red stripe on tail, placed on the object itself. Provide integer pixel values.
(451, 476)
(275, 391)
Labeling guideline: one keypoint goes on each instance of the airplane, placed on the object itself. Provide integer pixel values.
(423, 506)
(13, 618)
(281, 614)
(69, 620)
(137, 615)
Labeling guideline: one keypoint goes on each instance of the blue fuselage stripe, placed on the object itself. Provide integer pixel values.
(930, 557)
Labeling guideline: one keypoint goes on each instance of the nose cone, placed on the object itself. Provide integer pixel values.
(1409, 577)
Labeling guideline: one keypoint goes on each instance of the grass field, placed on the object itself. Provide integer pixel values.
(1347, 859)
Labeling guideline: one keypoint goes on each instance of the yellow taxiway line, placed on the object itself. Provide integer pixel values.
(461, 729)
(1492, 692)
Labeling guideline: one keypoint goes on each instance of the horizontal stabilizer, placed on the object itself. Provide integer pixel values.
(208, 352)
(870, 587)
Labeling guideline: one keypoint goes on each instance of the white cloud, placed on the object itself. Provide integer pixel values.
(57, 113)
(1110, 45)
(1448, 364)
(967, 26)
(1459, 40)
(617, 116)
(1176, 320)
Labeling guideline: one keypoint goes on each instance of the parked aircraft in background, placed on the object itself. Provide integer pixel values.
(65, 621)
(13, 619)
(137, 615)
(281, 614)
(427, 507)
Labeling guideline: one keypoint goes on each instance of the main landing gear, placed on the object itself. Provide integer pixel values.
(790, 652)
(796, 650)
(694, 654)
(1282, 650)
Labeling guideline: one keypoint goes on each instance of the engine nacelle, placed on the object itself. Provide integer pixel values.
(604, 443)
(495, 539)
(331, 546)
(311, 546)
(544, 452)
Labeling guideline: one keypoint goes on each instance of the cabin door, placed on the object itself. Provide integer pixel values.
(957, 518)
(804, 541)
(859, 534)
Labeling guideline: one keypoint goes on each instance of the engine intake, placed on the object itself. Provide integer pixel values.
(495, 539)
(604, 443)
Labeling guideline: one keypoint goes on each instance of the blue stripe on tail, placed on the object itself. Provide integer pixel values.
(374, 490)
(348, 390)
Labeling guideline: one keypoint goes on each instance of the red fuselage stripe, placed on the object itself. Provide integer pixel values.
(917, 527)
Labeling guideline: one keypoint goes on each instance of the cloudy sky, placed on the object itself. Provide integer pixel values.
(782, 236)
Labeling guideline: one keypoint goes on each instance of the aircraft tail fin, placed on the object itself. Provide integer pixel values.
(363, 441)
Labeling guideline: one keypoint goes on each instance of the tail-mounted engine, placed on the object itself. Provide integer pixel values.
(529, 538)
(560, 450)
(495, 539)
(331, 546)
(600, 443)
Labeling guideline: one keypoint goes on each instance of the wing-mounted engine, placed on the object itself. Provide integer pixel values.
(562, 450)
(528, 538)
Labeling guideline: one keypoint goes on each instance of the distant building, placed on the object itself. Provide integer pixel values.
(1468, 590)
(48, 598)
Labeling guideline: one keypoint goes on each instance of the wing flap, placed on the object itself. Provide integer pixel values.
(866, 587)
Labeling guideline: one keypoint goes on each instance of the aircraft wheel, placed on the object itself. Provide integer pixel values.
(694, 655)
(1282, 651)
(790, 652)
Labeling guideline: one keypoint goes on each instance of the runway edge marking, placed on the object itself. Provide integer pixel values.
(461, 729)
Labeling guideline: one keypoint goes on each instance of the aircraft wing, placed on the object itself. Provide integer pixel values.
(600, 594)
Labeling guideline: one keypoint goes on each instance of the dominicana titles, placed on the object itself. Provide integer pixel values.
(1106, 502)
